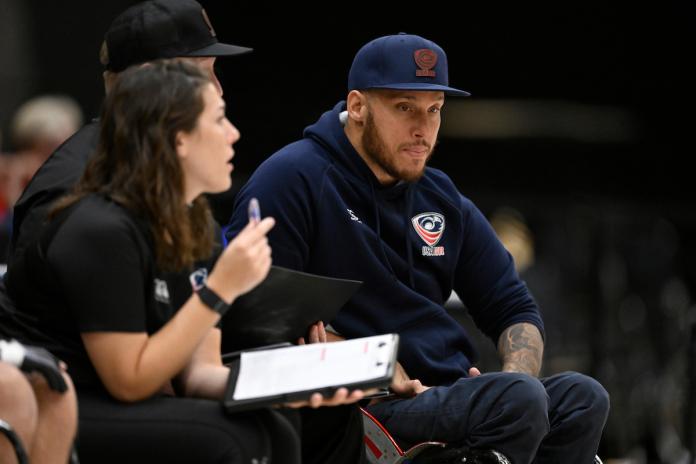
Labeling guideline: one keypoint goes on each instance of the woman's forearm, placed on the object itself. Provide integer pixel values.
(133, 366)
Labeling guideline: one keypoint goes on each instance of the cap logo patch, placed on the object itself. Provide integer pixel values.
(207, 21)
(426, 60)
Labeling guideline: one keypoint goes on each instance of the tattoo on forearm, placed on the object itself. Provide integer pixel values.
(521, 348)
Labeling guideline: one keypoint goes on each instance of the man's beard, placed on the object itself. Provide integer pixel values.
(376, 150)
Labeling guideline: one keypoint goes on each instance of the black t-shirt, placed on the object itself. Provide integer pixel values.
(92, 269)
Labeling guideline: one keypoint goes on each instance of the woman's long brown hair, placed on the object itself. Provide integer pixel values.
(136, 163)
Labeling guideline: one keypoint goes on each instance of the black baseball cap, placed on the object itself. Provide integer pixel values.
(401, 62)
(162, 29)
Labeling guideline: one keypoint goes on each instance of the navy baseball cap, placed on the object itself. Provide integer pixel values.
(162, 29)
(401, 62)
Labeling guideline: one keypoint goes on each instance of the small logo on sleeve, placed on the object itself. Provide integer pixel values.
(430, 227)
(161, 291)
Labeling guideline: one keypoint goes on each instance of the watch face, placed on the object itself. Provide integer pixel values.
(198, 278)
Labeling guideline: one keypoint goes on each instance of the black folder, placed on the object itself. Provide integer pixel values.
(266, 377)
(282, 307)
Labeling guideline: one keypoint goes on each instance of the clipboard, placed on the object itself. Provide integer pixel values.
(262, 378)
(282, 307)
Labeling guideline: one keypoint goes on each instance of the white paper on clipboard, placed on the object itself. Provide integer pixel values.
(281, 371)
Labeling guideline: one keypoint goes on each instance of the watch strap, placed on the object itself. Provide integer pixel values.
(212, 300)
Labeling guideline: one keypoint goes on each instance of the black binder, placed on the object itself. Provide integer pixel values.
(282, 307)
(266, 377)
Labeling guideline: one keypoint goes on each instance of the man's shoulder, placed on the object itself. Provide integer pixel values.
(65, 165)
(303, 158)
(56, 176)
(78, 148)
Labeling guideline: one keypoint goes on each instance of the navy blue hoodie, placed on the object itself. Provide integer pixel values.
(411, 244)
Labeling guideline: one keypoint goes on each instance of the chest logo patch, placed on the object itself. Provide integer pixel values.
(430, 227)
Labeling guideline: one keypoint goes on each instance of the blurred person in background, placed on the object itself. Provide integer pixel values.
(39, 126)
(512, 231)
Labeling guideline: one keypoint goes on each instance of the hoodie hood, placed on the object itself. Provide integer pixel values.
(329, 132)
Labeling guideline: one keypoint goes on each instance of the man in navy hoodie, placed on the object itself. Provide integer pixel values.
(354, 199)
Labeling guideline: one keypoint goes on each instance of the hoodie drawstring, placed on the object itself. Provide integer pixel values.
(407, 229)
(378, 228)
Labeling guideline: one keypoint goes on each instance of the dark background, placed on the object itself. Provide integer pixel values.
(580, 120)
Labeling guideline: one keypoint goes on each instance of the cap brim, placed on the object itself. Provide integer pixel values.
(421, 86)
(220, 49)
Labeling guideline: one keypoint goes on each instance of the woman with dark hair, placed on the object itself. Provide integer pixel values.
(95, 288)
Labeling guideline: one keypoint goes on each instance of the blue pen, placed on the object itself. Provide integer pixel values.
(254, 211)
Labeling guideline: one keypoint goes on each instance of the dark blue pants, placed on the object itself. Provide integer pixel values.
(551, 420)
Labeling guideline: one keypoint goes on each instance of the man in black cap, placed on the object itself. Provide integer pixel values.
(144, 32)
(354, 199)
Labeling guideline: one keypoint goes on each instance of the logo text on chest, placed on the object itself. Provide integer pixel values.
(353, 217)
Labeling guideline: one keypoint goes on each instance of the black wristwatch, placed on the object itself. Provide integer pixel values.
(212, 300)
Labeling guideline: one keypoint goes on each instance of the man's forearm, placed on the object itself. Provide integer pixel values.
(521, 348)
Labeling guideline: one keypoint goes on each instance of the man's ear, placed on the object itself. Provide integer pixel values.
(356, 104)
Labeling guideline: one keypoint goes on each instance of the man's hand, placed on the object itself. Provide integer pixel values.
(408, 389)
(521, 348)
(315, 334)
(403, 386)
(400, 375)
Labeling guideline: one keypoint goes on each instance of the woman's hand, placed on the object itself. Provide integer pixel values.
(244, 263)
(342, 396)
